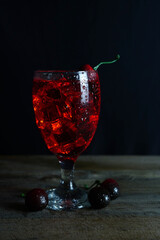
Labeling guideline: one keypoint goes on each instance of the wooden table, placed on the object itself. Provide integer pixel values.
(134, 215)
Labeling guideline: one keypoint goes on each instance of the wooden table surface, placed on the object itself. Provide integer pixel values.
(134, 215)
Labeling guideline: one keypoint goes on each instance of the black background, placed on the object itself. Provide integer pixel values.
(67, 34)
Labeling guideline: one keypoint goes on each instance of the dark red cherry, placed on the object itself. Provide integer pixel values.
(98, 197)
(36, 199)
(92, 74)
(86, 67)
(112, 186)
(109, 180)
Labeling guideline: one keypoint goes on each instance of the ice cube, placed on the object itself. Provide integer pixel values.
(69, 132)
(67, 109)
(71, 89)
(56, 127)
(50, 140)
(94, 118)
(53, 93)
(36, 102)
(40, 123)
(51, 112)
(67, 148)
(80, 142)
(62, 82)
(38, 85)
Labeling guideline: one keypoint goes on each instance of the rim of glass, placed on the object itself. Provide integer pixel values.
(63, 71)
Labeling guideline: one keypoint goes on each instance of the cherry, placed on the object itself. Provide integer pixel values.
(54, 93)
(87, 67)
(36, 199)
(110, 180)
(112, 186)
(98, 197)
(92, 74)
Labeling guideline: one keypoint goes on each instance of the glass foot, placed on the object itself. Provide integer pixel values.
(64, 199)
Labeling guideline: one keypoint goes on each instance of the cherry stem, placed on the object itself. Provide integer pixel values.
(23, 195)
(97, 182)
(115, 60)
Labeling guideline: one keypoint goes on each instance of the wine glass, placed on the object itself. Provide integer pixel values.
(66, 106)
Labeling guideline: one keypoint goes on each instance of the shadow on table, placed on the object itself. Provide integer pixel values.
(16, 206)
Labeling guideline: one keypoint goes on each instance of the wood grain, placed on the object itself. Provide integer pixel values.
(134, 215)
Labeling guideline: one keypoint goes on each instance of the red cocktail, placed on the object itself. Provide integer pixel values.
(66, 106)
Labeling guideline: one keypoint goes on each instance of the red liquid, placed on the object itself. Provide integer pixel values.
(67, 112)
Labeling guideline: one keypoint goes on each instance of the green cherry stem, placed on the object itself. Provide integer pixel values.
(97, 182)
(115, 60)
(23, 195)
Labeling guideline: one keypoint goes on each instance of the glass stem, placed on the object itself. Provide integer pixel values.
(66, 180)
